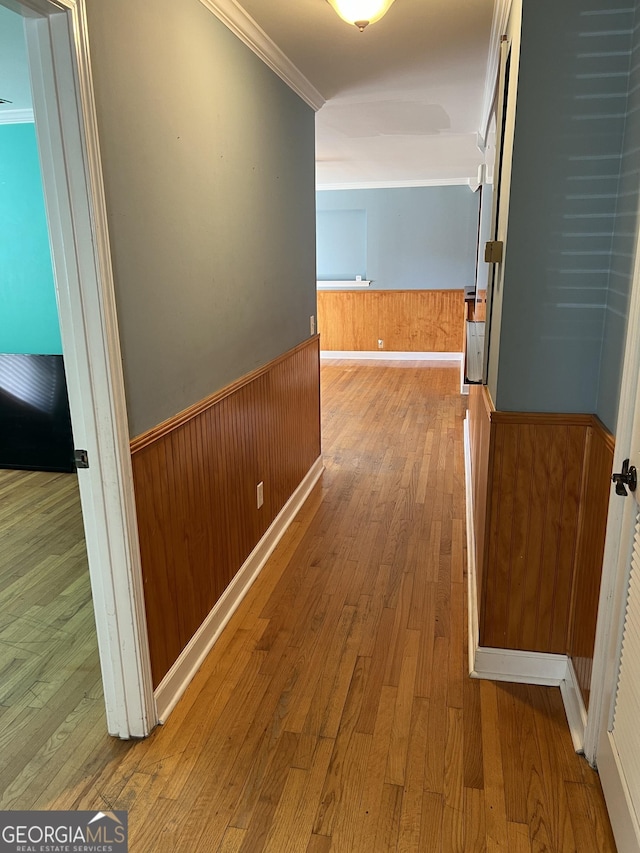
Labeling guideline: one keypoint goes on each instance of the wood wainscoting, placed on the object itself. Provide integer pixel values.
(541, 485)
(594, 504)
(195, 480)
(406, 320)
(480, 409)
(531, 530)
(478, 309)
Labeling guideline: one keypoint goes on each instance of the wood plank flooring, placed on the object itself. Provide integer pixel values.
(50, 685)
(335, 712)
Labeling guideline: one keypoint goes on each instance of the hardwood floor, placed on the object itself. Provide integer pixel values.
(335, 713)
(50, 686)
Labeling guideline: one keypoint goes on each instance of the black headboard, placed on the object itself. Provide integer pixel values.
(35, 425)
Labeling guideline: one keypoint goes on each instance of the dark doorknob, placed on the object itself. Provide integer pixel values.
(627, 477)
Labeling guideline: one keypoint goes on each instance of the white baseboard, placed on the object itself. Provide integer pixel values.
(574, 707)
(519, 667)
(388, 355)
(512, 665)
(464, 386)
(177, 679)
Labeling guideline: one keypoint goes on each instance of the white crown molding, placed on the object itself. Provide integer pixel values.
(501, 12)
(389, 185)
(248, 31)
(16, 116)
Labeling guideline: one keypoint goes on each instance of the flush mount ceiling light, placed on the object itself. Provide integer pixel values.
(361, 12)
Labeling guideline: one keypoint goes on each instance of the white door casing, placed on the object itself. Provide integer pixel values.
(66, 128)
(607, 739)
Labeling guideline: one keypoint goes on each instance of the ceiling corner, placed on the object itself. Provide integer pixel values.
(248, 31)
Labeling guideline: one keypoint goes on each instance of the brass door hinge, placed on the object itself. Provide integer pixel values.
(493, 251)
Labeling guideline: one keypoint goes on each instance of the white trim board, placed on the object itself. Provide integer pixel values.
(519, 667)
(618, 797)
(388, 355)
(241, 24)
(179, 676)
(512, 665)
(343, 285)
(16, 116)
(390, 185)
(574, 707)
(498, 29)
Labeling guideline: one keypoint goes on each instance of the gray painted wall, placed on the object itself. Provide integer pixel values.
(208, 162)
(416, 238)
(570, 121)
(623, 248)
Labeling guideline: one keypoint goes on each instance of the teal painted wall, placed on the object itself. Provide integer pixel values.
(28, 309)
(415, 238)
(208, 163)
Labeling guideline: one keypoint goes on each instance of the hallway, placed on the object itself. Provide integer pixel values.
(335, 713)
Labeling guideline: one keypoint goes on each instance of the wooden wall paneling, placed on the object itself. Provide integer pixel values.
(406, 320)
(540, 490)
(480, 408)
(494, 618)
(534, 499)
(195, 480)
(590, 552)
(150, 473)
(569, 526)
(480, 306)
(546, 574)
(569, 457)
(524, 622)
(181, 487)
(521, 539)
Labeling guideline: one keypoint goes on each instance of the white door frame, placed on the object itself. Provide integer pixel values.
(617, 545)
(66, 127)
(599, 745)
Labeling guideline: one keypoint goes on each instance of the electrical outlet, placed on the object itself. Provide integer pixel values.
(312, 325)
(260, 494)
(380, 343)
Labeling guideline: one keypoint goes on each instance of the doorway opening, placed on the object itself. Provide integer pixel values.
(48, 645)
(64, 119)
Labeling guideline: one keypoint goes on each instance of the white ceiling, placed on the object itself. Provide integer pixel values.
(404, 98)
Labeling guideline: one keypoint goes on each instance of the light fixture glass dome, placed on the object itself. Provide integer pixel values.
(361, 12)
